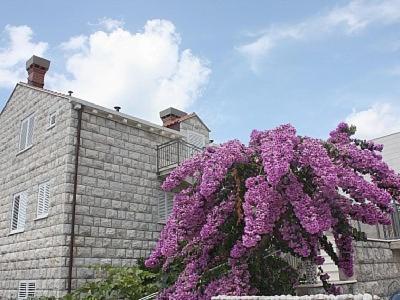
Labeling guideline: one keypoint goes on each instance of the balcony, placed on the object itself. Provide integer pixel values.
(172, 153)
(385, 232)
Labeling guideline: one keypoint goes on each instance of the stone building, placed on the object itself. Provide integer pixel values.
(80, 185)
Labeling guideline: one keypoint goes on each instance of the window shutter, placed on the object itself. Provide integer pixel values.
(169, 203)
(24, 133)
(196, 139)
(165, 206)
(29, 140)
(43, 199)
(15, 212)
(162, 209)
(22, 211)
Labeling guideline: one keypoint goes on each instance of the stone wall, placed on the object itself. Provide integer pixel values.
(39, 252)
(308, 297)
(118, 193)
(376, 271)
(117, 198)
(377, 268)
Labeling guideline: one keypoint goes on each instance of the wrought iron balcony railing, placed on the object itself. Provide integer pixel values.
(172, 153)
(386, 232)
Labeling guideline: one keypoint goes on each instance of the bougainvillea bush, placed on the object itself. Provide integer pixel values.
(282, 192)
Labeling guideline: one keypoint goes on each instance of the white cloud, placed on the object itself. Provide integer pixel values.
(74, 43)
(19, 48)
(141, 72)
(108, 24)
(111, 24)
(378, 120)
(349, 19)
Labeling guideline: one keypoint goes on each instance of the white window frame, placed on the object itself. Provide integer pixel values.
(21, 214)
(51, 115)
(165, 204)
(26, 142)
(198, 136)
(43, 203)
(26, 291)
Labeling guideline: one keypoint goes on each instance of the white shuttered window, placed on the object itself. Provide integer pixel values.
(26, 136)
(165, 205)
(18, 214)
(26, 289)
(43, 200)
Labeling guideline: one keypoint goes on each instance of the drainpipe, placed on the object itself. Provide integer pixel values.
(79, 108)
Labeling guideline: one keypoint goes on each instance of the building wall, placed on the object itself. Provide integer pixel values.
(391, 150)
(194, 124)
(117, 198)
(118, 193)
(39, 253)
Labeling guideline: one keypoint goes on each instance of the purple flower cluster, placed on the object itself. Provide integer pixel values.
(263, 206)
(344, 242)
(314, 214)
(217, 162)
(236, 283)
(291, 233)
(291, 191)
(276, 148)
(340, 135)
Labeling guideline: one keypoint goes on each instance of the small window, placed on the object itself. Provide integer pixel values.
(26, 289)
(52, 120)
(43, 200)
(18, 214)
(165, 205)
(196, 139)
(26, 136)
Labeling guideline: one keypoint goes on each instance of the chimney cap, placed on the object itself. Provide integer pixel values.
(36, 60)
(172, 111)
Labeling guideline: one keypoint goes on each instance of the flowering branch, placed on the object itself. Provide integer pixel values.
(283, 192)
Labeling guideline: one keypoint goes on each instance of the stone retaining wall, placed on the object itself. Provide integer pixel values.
(377, 268)
(307, 297)
(376, 271)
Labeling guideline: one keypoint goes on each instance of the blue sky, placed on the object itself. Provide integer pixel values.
(239, 64)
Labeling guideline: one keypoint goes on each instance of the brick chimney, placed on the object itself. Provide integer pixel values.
(37, 68)
(169, 115)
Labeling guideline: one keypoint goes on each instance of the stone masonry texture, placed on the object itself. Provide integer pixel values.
(39, 253)
(117, 194)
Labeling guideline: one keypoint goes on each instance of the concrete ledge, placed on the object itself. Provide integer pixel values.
(319, 284)
(395, 245)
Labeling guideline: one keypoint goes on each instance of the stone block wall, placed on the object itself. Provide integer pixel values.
(377, 268)
(376, 271)
(39, 252)
(308, 297)
(118, 191)
(118, 194)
